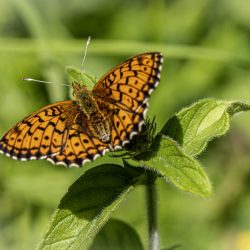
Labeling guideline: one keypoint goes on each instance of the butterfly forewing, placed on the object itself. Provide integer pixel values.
(62, 133)
(130, 84)
(41, 134)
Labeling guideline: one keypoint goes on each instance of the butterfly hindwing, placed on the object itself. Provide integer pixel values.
(126, 125)
(81, 147)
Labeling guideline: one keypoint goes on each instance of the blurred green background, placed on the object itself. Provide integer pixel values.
(206, 44)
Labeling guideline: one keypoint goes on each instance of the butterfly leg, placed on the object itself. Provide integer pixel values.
(111, 147)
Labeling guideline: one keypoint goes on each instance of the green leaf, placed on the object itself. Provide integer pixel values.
(168, 160)
(117, 235)
(195, 126)
(87, 206)
(75, 75)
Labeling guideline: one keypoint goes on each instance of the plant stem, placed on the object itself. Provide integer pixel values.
(153, 241)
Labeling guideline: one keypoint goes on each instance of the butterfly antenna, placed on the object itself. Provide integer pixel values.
(40, 81)
(85, 51)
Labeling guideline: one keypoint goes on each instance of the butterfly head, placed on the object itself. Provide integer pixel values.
(79, 91)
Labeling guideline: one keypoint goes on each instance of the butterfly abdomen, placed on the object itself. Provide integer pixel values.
(99, 127)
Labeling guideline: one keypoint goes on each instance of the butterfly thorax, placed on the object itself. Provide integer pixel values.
(97, 122)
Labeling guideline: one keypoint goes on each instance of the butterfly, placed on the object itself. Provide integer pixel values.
(106, 118)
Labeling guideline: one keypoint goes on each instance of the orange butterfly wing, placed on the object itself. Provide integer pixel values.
(81, 147)
(41, 134)
(127, 88)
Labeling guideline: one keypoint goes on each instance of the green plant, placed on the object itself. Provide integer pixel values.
(171, 154)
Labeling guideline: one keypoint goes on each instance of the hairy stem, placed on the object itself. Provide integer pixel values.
(153, 239)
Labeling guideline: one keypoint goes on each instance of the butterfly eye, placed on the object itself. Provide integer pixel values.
(89, 105)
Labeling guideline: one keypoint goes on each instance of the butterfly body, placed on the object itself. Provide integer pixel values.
(106, 118)
(97, 122)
